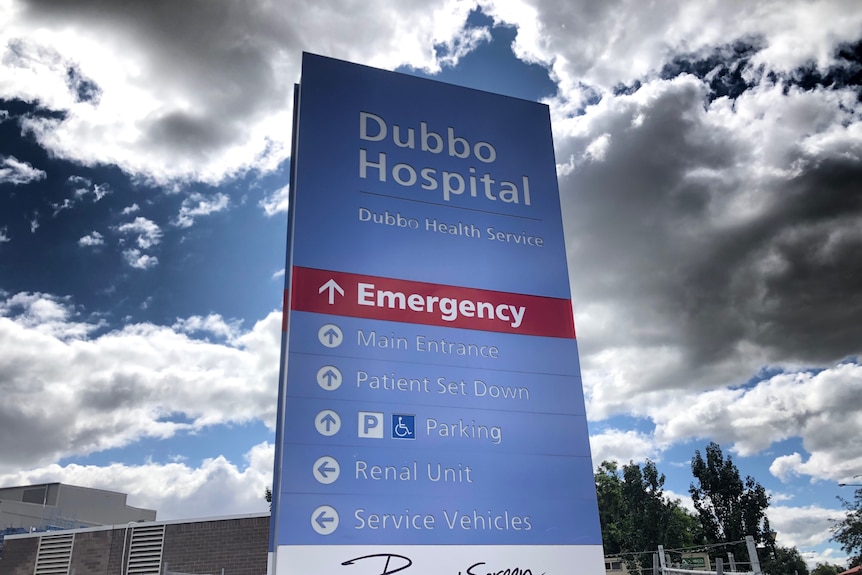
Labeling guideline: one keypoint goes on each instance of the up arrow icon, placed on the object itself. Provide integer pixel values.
(332, 287)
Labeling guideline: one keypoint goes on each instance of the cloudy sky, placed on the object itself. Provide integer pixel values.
(710, 165)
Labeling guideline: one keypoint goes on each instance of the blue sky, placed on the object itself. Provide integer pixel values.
(709, 164)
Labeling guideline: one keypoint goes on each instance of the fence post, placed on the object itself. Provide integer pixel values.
(661, 558)
(752, 555)
(719, 566)
(731, 560)
(656, 570)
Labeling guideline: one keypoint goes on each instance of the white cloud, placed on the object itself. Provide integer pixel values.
(104, 391)
(277, 202)
(98, 191)
(823, 409)
(15, 172)
(214, 324)
(175, 490)
(67, 204)
(622, 446)
(591, 46)
(4, 235)
(47, 315)
(148, 232)
(139, 260)
(92, 239)
(802, 526)
(197, 205)
(221, 107)
(130, 209)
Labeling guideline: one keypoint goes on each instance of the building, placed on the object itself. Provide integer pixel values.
(615, 566)
(61, 506)
(229, 545)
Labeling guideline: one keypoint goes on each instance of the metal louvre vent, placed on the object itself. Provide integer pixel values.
(145, 550)
(55, 554)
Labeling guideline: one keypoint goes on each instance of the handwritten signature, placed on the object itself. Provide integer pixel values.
(401, 562)
(389, 556)
(506, 571)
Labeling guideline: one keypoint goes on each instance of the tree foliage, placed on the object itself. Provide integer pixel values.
(611, 509)
(784, 561)
(636, 516)
(635, 513)
(728, 507)
(827, 569)
(848, 531)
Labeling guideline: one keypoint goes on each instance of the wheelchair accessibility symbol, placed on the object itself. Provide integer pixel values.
(403, 426)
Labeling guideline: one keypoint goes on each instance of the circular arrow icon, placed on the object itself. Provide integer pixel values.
(326, 469)
(330, 335)
(327, 422)
(324, 519)
(329, 377)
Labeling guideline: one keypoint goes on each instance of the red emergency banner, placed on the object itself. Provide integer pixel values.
(390, 299)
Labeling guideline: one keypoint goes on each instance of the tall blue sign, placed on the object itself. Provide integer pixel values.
(431, 415)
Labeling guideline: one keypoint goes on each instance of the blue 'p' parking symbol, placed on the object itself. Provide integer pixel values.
(403, 426)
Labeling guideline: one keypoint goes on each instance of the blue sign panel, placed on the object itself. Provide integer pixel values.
(431, 410)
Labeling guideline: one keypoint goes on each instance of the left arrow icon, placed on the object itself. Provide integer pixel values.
(326, 469)
(331, 286)
(324, 519)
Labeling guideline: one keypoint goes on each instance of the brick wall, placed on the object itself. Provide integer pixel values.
(97, 553)
(19, 556)
(239, 546)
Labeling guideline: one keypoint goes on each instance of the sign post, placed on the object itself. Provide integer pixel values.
(431, 415)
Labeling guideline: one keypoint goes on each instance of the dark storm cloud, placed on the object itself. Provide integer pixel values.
(812, 306)
(698, 251)
(25, 434)
(188, 133)
(202, 53)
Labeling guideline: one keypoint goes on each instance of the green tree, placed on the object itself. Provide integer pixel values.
(637, 516)
(653, 518)
(848, 531)
(610, 497)
(827, 569)
(784, 561)
(728, 507)
(267, 494)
